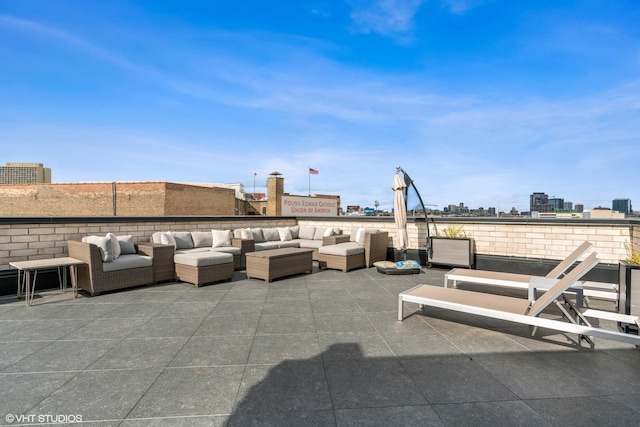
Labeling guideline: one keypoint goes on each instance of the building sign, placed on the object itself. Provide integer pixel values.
(309, 206)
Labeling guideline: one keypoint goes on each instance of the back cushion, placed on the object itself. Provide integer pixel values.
(295, 231)
(270, 234)
(183, 240)
(257, 235)
(104, 244)
(221, 238)
(306, 232)
(127, 245)
(319, 232)
(202, 239)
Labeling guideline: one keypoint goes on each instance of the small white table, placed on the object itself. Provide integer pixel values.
(26, 267)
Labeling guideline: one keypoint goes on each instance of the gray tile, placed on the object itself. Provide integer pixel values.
(388, 321)
(135, 310)
(21, 392)
(140, 353)
(286, 324)
(383, 303)
(353, 345)
(13, 352)
(20, 311)
(343, 322)
(214, 351)
(322, 418)
(255, 295)
(43, 330)
(63, 356)
(81, 311)
(532, 376)
(228, 325)
(595, 411)
(371, 383)
(295, 294)
(475, 341)
(204, 294)
(288, 386)
(454, 379)
(187, 309)
(108, 328)
(406, 416)
(286, 307)
(160, 296)
(418, 343)
(325, 306)
(168, 327)
(191, 392)
(224, 308)
(270, 349)
(490, 414)
(99, 395)
(186, 421)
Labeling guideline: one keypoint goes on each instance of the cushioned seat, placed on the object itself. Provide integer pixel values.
(342, 249)
(126, 262)
(204, 267)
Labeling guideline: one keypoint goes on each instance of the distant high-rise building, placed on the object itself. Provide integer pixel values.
(556, 204)
(579, 207)
(25, 173)
(568, 206)
(622, 206)
(539, 202)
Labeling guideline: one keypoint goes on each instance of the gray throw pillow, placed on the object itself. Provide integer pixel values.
(127, 245)
(183, 240)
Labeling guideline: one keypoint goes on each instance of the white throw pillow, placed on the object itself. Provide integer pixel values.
(285, 234)
(360, 234)
(202, 239)
(104, 244)
(115, 244)
(246, 234)
(167, 238)
(221, 238)
(319, 232)
(328, 232)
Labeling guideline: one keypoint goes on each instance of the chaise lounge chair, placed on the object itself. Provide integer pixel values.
(522, 281)
(524, 311)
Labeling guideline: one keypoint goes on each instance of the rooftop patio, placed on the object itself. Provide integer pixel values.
(314, 349)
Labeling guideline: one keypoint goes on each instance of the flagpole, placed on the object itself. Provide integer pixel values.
(254, 183)
(309, 173)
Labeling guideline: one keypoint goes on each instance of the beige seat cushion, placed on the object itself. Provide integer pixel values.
(127, 262)
(342, 249)
(203, 259)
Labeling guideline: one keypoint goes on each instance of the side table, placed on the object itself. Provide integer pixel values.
(26, 267)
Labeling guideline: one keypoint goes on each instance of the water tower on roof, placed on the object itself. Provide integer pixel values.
(275, 190)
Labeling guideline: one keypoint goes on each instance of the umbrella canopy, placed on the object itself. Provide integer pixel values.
(400, 211)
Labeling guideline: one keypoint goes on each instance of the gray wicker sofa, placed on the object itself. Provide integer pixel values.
(99, 274)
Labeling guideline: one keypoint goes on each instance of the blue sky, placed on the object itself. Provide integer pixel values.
(481, 102)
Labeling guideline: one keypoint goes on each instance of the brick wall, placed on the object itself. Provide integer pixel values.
(45, 238)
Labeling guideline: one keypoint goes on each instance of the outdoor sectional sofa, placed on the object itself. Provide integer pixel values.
(299, 236)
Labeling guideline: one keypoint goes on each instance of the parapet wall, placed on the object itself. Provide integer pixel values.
(34, 238)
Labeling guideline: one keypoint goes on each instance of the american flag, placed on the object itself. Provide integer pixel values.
(313, 171)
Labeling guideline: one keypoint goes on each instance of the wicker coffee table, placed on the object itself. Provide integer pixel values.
(275, 263)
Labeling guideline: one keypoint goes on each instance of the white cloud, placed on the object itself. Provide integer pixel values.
(385, 17)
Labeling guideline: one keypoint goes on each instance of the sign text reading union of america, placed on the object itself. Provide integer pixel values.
(308, 206)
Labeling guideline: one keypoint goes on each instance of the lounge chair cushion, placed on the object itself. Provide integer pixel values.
(342, 249)
(127, 262)
(228, 250)
(114, 244)
(220, 238)
(202, 239)
(295, 231)
(313, 244)
(203, 259)
(183, 240)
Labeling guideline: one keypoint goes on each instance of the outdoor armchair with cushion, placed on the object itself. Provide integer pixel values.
(103, 272)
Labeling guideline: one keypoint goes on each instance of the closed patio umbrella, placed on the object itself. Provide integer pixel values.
(400, 211)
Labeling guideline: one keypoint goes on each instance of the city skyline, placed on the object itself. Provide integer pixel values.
(479, 101)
